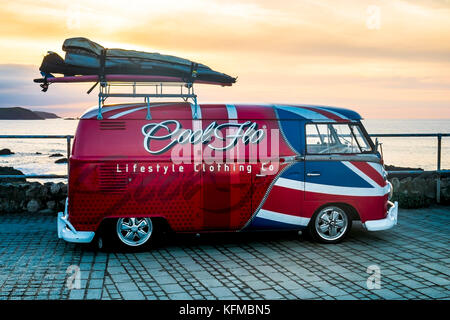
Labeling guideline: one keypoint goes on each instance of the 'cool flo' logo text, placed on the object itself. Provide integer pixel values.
(229, 133)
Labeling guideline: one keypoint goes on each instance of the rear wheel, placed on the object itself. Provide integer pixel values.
(134, 232)
(330, 224)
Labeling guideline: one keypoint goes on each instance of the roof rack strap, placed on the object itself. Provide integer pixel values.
(147, 100)
(101, 75)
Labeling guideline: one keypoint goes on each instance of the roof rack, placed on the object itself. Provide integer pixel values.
(186, 93)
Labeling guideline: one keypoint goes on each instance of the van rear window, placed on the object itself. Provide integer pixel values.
(336, 138)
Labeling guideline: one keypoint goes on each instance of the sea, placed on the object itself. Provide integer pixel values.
(32, 156)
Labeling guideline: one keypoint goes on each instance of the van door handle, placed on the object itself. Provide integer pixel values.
(313, 174)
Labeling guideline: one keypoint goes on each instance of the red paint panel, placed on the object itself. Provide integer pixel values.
(284, 200)
(369, 208)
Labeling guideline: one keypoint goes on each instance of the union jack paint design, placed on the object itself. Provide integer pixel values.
(112, 173)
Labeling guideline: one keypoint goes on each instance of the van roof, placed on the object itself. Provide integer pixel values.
(306, 112)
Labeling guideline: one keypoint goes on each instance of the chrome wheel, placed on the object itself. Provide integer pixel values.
(331, 223)
(134, 231)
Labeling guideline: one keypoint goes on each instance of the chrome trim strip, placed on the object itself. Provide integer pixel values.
(338, 157)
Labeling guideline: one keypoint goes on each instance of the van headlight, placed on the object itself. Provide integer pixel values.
(391, 191)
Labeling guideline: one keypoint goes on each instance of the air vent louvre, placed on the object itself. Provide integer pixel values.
(112, 181)
(112, 125)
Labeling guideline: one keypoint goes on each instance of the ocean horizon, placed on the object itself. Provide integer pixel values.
(403, 152)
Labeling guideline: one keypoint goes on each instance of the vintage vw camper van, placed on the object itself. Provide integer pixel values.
(222, 167)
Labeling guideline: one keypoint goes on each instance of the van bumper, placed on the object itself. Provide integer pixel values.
(67, 232)
(386, 223)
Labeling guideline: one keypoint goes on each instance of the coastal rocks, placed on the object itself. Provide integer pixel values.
(51, 204)
(55, 155)
(32, 197)
(5, 152)
(62, 160)
(33, 206)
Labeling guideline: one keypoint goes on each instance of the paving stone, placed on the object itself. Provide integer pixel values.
(172, 288)
(132, 295)
(95, 294)
(302, 293)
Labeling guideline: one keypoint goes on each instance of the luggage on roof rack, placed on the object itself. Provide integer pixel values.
(84, 57)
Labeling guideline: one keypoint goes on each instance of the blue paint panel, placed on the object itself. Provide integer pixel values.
(335, 173)
(293, 129)
(295, 172)
(263, 224)
(345, 112)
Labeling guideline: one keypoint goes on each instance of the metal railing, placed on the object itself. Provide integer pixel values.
(439, 152)
(417, 135)
(69, 138)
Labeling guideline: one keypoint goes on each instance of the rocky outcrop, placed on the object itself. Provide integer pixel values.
(54, 155)
(46, 115)
(18, 113)
(62, 160)
(5, 152)
(10, 171)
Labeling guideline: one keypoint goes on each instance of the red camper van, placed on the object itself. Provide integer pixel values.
(217, 167)
(208, 167)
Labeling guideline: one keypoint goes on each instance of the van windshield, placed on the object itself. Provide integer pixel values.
(336, 138)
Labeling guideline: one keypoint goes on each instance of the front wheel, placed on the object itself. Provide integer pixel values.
(134, 232)
(330, 224)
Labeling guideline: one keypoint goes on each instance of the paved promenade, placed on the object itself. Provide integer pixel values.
(413, 262)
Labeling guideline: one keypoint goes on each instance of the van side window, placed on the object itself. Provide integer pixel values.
(336, 138)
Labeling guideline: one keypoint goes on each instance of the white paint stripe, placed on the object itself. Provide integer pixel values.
(283, 218)
(306, 113)
(377, 166)
(232, 113)
(360, 173)
(94, 110)
(346, 191)
(124, 113)
(197, 125)
(290, 184)
(199, 111)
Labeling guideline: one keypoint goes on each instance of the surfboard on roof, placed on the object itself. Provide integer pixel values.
(86, 58)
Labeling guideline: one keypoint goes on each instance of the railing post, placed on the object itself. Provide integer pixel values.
(438, 181)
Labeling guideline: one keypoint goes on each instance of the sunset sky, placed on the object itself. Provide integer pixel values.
(384, 59)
